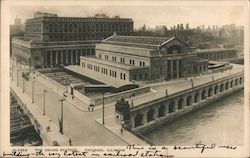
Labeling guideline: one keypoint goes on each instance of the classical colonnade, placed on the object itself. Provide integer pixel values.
(148, 114)
(65, 57)
(217, 55)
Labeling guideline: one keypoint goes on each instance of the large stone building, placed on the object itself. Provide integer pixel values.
(50, 40)
(138, 58)
(217, 53)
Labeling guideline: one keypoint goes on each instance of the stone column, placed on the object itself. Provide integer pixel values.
(177, 68)
(51, 58)
(199, 97)
(45, 58)
(76, 57)
(156, 113)
(175, 106)
(56, 57)
(166, 107)
(67, 56)
(132, 120)
(184, 103)
(166, 70)
(71, 54)
(171, 68)
(144, 120)
(62, 57)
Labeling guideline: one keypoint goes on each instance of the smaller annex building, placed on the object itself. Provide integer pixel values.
(127, 59)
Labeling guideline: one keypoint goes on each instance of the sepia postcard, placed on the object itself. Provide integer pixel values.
(126, 78)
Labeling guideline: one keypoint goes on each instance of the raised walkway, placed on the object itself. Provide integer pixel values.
(43, 121)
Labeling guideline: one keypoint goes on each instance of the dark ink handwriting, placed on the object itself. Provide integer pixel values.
(228, 147)
(16, 154)
(55, 154)
(74, 153)
(119, 153)
(132, 147)
(196, 146)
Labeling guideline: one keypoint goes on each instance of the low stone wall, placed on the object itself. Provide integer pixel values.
(227, 67)
(116, 96)
(60, 89)
(175, 115)
(82, 97)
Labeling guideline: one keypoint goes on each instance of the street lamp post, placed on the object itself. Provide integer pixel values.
(33, 83)
(44, 91)
(17, 77)
(61, 121)
(23, 84)
(103, 108)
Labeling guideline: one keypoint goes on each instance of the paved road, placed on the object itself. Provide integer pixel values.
(80, 126)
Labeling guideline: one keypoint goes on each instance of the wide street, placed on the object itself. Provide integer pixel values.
(80, 126)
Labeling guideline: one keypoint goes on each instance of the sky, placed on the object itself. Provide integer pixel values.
(149, 15)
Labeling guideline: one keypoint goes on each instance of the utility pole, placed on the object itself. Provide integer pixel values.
(61, 122)
(17, 77)
(103, 108)
(44, 91)
(33, 82)
(23, 84)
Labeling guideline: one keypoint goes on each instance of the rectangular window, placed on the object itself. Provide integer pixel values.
(124, 76)
(121, 76)
(140, 64)
(115, 73)
(143, 64)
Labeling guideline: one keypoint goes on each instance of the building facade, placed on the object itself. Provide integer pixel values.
(217, 54)
(138, 58)
(50, 40)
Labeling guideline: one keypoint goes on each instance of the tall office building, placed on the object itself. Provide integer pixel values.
(50, 40)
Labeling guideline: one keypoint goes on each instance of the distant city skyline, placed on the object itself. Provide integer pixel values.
(149, 15)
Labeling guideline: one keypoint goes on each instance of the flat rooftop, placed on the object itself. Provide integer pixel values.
(159, 89)
(214, 50)
(111, 63)
(106, 80)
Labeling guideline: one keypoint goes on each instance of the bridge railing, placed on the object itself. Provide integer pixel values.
(148, 141)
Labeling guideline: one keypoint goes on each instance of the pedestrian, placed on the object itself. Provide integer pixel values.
(70, 142)
(88, 108)
(92, 108)
(121, 130)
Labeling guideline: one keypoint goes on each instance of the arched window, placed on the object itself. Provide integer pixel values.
(174, 49)
(196, 96)
(210, 90)
(138, 120)
(161, 111)
(180, 103)
(216, 89)
(189, 100)
(221, 87)
(150, 115)
(203, 95)
(171, 107)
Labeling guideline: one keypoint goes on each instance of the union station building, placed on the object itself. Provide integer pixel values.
(138, 58)
(50, 40)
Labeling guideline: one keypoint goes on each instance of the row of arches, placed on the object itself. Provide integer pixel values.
(181, 102)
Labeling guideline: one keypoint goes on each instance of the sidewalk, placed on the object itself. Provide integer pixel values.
(115, 128)
(75, 102)
(44, 121)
